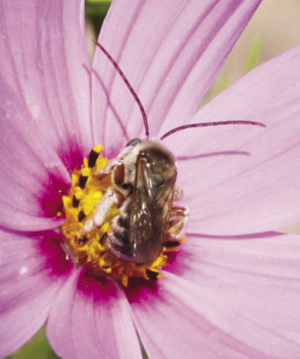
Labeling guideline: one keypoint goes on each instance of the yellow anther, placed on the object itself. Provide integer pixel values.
(98, 148)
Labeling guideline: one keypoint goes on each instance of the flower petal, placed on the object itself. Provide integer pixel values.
(32, 269)
(46, 64)
(33, 177)
(171, 325)
(243, 179)
(248, 289)
(91, 318)
(171, 52)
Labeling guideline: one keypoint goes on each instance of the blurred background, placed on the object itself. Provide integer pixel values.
(274, 28)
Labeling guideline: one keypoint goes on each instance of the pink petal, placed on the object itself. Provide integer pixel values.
(247, 289)
(46, 66)
(32, 270)
(243, 179)
(33, 178)
(171, 325)
(171, 52)
(91, 318)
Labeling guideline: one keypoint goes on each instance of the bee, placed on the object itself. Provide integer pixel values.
(144, 177)
(144, 189)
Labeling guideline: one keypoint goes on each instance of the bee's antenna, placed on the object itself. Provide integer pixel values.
(116, 66)
(206, 124)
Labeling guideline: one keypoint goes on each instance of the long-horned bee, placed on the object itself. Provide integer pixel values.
(143, 177)
(144, 189)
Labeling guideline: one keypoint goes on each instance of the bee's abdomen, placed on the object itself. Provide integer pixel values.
(123, 222)
(118, 239)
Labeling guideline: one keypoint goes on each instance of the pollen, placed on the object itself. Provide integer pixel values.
(89, 247)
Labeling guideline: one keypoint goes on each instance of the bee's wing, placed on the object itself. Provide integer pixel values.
(149, 213)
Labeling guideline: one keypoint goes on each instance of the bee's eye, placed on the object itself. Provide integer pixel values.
(118, 174)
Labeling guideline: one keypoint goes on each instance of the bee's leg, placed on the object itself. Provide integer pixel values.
(177, 194)
(177, 220)
(102, 210)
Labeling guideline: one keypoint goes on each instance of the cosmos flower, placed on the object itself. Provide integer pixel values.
(233, 289)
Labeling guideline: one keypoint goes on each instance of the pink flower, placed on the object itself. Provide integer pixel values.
(233, 290)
